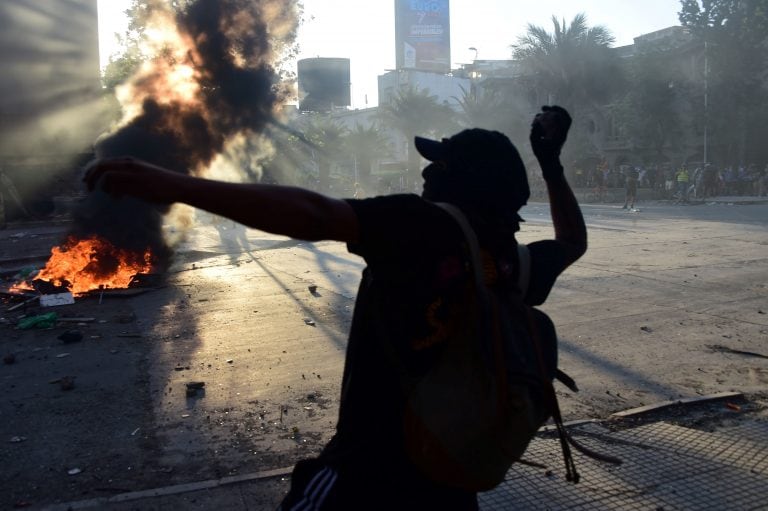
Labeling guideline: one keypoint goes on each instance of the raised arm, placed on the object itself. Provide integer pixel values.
(290, 211)
(548, 133)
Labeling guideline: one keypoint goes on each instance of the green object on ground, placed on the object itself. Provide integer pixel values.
(46, 320)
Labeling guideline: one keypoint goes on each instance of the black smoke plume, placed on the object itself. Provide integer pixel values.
(231, 46)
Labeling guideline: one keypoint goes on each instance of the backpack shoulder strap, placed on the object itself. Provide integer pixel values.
(524, 273)
(469, 236)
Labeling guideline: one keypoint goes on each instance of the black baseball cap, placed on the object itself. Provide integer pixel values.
(486, 165)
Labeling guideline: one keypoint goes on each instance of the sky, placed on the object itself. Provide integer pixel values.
(363, 31)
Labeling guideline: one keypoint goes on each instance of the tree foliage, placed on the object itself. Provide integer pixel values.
(656, 112)
(734, 34)
(366, 144)
(573, 64)
(124, 64)
(326, 138)
(415, 111)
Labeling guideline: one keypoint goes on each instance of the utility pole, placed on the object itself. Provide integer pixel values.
(706, 100)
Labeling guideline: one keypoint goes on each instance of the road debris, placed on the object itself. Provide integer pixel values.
(128, 317)
(9, 359)
(74, 471)
(78, 320)
(194, 388)
(726, 349)
(22, 304)
(17, 439)
(67, 383)
(47, 320)
(57, 299)
(71, 336)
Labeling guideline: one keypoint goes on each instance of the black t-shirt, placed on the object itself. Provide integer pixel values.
(415, 261)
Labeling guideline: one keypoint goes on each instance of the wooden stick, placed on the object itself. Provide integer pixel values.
(22, 304)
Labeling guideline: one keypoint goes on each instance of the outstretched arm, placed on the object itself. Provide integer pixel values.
(290, 211)
(548, 133)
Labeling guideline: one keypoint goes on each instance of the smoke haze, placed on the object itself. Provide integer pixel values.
(211, 87)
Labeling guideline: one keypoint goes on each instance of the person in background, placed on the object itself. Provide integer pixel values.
(683, 181)
(630, 186)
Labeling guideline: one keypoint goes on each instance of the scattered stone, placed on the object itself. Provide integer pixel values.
(74, 471)
(9, 359)
(71, 336)
(308, 321)
(67, 383)
(194, 387)
(312, 289)
(646, 329)
(129, 317)
(17, 439)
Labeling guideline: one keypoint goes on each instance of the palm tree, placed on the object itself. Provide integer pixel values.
(415, 111)
(367, 144)
(326, 137)
(573, 65)
(495, 108)
(481, 108)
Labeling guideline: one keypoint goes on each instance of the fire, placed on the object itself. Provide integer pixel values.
(82, 265)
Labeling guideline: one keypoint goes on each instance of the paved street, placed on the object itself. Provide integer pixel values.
(669, 303)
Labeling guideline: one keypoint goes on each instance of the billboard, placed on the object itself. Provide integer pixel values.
(423, 35)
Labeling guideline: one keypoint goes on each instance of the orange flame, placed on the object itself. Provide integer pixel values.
(83, 265)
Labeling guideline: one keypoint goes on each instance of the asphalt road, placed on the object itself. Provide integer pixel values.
(668, 303)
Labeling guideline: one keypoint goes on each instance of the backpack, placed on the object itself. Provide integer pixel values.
(474, 412)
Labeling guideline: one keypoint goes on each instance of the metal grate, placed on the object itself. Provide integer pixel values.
(665, 467)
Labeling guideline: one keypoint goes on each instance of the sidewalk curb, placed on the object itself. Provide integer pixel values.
(642, 410)
(169, 490)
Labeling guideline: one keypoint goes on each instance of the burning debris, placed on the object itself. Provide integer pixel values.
(211, 81)
(82, 265)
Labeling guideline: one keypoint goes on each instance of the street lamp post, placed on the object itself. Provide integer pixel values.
(706, 100)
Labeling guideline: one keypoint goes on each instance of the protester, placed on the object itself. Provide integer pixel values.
(630, 185)
(7, 192)
(683, 182)
(413, 250)
(709, 181)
